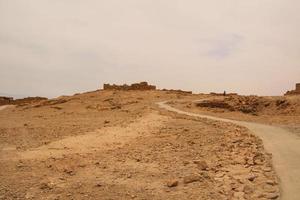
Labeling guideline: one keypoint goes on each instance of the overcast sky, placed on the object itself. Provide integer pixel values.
(55, 47)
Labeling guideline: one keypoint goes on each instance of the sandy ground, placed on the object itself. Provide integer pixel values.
(121, 145)
(4, 107)
(284, 146)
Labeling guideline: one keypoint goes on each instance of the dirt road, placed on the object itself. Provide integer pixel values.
(4, 107)
(284, 146)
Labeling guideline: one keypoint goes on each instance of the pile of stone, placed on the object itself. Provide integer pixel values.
(135, 86)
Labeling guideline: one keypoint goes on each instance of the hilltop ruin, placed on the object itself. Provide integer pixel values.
(6, 100)
(135, 86)
(294, 92)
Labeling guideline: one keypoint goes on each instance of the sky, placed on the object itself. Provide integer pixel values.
(61, 47)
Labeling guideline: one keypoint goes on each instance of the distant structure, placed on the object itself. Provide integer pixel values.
(135, 86)
(177, 91)
(6, 100)
(294, 92)
(27, 100)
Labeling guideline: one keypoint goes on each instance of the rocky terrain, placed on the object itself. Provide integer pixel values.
(280, 111)
(112, 144)
(254, 105)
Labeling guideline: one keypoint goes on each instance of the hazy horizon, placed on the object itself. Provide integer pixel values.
(61, 47)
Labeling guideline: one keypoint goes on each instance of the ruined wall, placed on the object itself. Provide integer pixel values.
(298, 87)
(135, 86)
(177, 91)
(27, 100)
(294, 92)
(6, 100)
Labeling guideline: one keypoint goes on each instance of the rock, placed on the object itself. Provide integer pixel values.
(185, 163)
(46, 186)
(82, 165)
(220, 175)
(191, 179)
(267, 169)
(201, 164)
(98, 184)
(270, 189)
(106, 121)
(129, 175)
(258, 162)
(116, 107)
(172, 183)
(204, 174)
(271, 195)
(20, 164)
(271, 182)
(251, 177)
(69, 171)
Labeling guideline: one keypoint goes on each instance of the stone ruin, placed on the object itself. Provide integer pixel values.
(135, 86)
(27, 100)
(6, 100)
(294, 92)
(177, 91)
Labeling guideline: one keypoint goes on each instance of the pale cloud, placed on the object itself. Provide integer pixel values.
(53, 47)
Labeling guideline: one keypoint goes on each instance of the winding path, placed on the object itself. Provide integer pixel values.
(4, 107)
(284, 146)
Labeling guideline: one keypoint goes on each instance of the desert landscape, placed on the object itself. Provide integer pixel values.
(129, 142)
(149, 100)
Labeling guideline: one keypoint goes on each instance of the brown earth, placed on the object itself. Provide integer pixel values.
(120, 145)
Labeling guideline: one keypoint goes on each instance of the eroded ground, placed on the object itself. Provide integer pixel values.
(120, 145)
(278, 111)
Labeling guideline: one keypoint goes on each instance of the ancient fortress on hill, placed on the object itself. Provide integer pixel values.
(135, 86)
(294, 92)
(142, 86)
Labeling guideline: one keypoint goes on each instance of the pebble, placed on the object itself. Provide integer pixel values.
(267, 169)
(201, 164)
(191, 179)
(172, 183)
(251, 177)
(99, 184)
(271, 195)
(271, 182)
